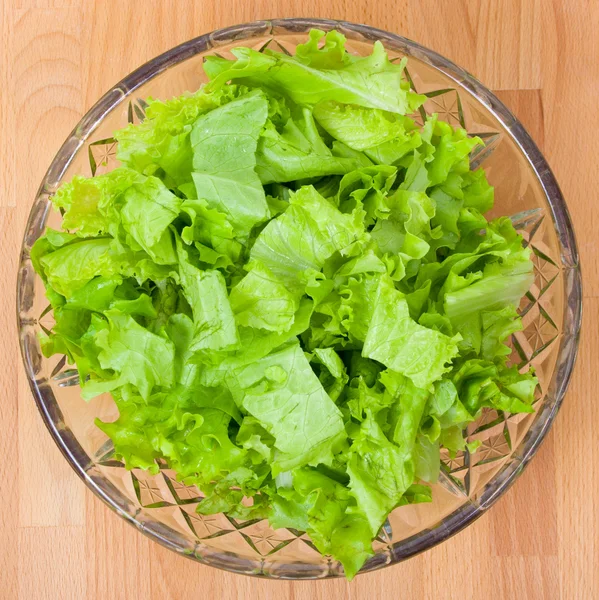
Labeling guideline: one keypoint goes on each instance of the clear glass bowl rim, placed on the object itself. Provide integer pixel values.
(468, 512)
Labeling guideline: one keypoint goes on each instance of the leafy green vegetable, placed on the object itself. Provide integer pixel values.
(206, 292)
(362, 128)
(282, 392)
(394, 339)
(148, 210)
(379, 473)
(260, 300)
(137, 357)
(90, 205)
(291, 292)
(296, 244)
(161, 143)
(224, 143)
(320, 74)
(296, 150)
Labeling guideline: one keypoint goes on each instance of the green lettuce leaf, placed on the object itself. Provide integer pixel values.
(224, 143)
(211, 233)
(361, 128)
(325, 509)
(91, 206)
(298, 243)
(206, 292)
(333, 376)
(297, 151)
(138, 357)
(72, 266)
(149, 208)
(316, 75)
(254, 344)
(284, 394)
(161, 142)
(260, 300)
(394, 339)
(379, 473)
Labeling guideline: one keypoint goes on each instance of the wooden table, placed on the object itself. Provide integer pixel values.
(57, 541)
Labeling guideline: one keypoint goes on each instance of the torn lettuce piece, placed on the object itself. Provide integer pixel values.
(137, 357)
(160, 143)
(317, 75)
(283, 393)
(149, 207)
(380, 473)
(394, 339)
(299, 241)
(325, 509)
(296, 150)
(206, 292)
(91, 206)
(224, 143)
(260, 300)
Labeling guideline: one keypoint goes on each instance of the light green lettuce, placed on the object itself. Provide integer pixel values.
(282, 392)
(394, 339)
(296, 150)
(224, 143)
(291, 292)
(319, 74)
(206, 292)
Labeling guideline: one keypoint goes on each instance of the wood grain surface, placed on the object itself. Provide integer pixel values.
(57, 541)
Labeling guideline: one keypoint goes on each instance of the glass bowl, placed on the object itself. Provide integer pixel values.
(164, 509)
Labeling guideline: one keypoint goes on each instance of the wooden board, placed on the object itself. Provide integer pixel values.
(57, 541)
